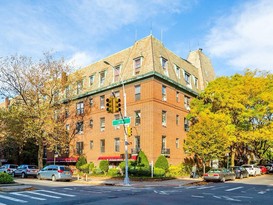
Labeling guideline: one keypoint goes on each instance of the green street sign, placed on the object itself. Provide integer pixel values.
(125, 121)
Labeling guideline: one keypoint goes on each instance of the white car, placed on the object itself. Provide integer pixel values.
(8, 168)
(252, 169)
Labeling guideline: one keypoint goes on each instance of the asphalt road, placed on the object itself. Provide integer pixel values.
(254, 190)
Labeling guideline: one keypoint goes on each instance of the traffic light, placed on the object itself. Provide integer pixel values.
(109, 105)
(129, 131)
(116, 105)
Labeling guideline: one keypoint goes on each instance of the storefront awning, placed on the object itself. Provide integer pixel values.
(111, 158)
(63, 159)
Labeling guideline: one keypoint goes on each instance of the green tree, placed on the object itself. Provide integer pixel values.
(162, 163)
(104, 166)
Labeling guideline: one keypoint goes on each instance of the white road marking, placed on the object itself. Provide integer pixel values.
(53, 192)
(12, 199)
(197, 196)
(205, 187)
(217, 197)
(68, 188)
(163, 193)
(27, 196)
(261, 192)
(231, 199)
(240, 187)
(40, 194)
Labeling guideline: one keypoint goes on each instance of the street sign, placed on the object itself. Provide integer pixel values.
(125, 121)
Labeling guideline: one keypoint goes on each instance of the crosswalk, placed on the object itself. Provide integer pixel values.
(30, 197)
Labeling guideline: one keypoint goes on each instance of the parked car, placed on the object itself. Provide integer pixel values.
(55, 173)
(220, 174)
(252, 169)
(8, 168)
(263, 169)
(269, 167)
(240, 172)
(25, 170)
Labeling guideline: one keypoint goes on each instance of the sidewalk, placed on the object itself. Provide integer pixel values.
(107, 181)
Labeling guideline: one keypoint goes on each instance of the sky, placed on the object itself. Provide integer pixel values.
(234, 34)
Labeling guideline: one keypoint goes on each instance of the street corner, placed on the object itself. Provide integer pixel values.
(15, 188)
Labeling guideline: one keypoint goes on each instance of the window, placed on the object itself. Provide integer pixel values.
(102, 78)
(137, 65)
(116, 116)
(117, 73)
(177, 96)
(196, 82)
(117, 144)
(187, 102)
(80, 108)
(79, 86)
(102, 124)
(164, 93)
(91, 79)
(187, 78)
(117, 94)
(164, 64)
(137, 117)
(91, 101)
(79, 127)
(177, 119)
(177, 70)
(66, 112)
(102, 102)
(79, 148)
(91, 144)
(186, 124)
(163, 143)
(137, 143)
(102, 146)
(137, 92)
(177, 143)
(67, 92)
(91, 123)
(164, 118)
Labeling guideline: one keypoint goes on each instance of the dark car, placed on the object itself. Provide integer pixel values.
(240, 172)
(269, 167)
(220, 174)
(25, 170)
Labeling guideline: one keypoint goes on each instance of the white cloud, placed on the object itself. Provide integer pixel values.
(244, 37)
(82, 59)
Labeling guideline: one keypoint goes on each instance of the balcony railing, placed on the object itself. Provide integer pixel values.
(165, 151)
(135, 151)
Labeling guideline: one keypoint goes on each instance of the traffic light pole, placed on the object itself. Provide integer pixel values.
(126, 178)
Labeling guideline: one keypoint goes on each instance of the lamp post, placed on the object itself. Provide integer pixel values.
(126, 179)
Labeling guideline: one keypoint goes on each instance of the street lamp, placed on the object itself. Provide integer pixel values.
(126, 179)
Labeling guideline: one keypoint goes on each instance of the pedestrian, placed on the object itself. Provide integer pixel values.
(193, 171)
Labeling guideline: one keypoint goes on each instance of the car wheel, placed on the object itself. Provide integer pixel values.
(247, 176)
(13, 174)
(23, 175)
(223, 179)
(241, 176)
(39, 177)
(254, 174)
(53, 178)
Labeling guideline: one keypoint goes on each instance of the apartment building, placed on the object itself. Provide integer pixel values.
(159, 86)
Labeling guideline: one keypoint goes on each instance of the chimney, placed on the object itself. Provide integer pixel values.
(201, 49)
(7, 102)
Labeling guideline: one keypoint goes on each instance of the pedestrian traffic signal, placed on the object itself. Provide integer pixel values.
(116, 105)
(109, 105)
(129, 131)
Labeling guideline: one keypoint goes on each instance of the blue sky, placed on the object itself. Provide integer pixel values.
(235, 34)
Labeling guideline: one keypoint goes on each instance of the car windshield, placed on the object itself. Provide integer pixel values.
(13, 166)
(215, 171)
(32, 167)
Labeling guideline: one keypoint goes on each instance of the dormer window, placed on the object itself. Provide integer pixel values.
(177, 70)
(137, 65)
(164, 64)
(187, 78)
(102, 78)
(79, 86)
(91, 79)
(117, 73)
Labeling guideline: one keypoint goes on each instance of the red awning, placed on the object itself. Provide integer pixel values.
(111, 158)
(63, 159)
(134, 157)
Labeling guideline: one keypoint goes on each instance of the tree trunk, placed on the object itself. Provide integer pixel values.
(40, 153)
(232, 156)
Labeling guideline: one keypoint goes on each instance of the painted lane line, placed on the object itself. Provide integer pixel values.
(27, 196)
(68, 188)
(53, 192)
(2, 204)
(231, 199)
(219, 187)
(240, 187)
(12, 199)
(40, 194)
(197, 196)
(205, 187)
(217, 197)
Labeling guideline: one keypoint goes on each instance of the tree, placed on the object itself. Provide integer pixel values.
(162, 163)
(245, 102)
(34, 89)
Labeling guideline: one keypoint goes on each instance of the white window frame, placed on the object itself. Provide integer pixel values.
(164, 93)
(164, 118)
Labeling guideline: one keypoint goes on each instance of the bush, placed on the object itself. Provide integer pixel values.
(97, 170)
(113, 172)
(104, 166)
(84, 168)
(142, 160)
(81, 161)
(5, 178)
(159, 172)
(162, 163)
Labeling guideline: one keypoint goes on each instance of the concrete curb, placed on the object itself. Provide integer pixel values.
(15, 188)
